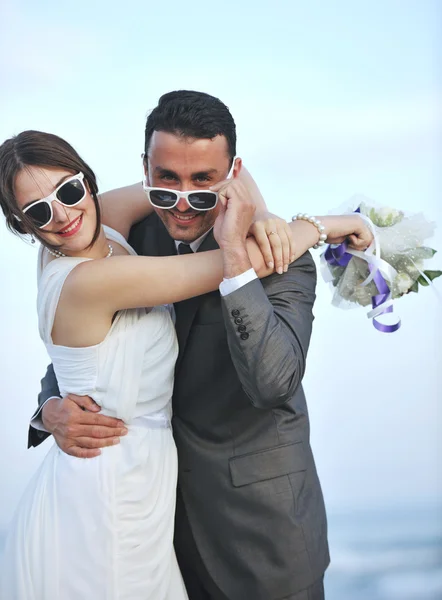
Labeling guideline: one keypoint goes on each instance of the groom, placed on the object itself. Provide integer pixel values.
(250, 517)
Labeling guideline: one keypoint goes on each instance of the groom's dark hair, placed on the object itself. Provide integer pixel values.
(191, 114)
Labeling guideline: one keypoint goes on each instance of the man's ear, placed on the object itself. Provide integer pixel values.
(237, 168)
(145, 170)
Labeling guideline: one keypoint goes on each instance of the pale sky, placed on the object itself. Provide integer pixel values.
(330, 99)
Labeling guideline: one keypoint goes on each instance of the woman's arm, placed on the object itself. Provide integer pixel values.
(95, 290)
(250, 183)
(99, 288)
(137, 281)
(337, 228)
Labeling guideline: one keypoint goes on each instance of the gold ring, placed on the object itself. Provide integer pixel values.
(272, 233)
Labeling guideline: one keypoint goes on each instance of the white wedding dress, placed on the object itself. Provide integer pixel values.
(102, 528)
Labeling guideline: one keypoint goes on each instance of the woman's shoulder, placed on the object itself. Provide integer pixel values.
(49, 265)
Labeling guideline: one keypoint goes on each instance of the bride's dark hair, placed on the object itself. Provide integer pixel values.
(39, 149)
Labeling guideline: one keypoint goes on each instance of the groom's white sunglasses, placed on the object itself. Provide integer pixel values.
(201, 200)
(69, 193)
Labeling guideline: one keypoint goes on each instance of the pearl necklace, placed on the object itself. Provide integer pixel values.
(58, 254)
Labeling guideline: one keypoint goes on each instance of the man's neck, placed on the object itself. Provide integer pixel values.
(196, 243)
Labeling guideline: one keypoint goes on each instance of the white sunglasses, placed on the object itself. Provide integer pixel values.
(200, 200)
(69, 193)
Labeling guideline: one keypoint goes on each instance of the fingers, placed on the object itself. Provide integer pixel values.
(276, 245)
(218, 186)
(95, 431)
(231, 188)
(84, 402)
(361, 237)
(94, 443)
(275, 240)
(291, 240)
(358, 242)
(82, 452)
(259, 232)
(285, 244)
(87, 442)
(73, 416)
(101, 420)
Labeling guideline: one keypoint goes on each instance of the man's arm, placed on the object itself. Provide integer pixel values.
(73, 421)
(49, 388)
(269, 323)
(123, 207)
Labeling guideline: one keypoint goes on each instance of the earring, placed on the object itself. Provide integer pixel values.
(32, 239)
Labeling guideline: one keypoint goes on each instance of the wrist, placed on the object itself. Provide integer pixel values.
(46, 411)
(340, 226)
(316, 225)
(235, 260)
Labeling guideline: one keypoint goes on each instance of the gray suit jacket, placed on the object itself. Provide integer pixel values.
(246, 470)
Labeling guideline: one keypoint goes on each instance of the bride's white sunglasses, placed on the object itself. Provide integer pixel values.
(165, 198)
(69, 193)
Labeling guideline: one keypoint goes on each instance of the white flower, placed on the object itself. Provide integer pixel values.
(402, 283)
(386, 216)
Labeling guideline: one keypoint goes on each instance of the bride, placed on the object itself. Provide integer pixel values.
(102, 528)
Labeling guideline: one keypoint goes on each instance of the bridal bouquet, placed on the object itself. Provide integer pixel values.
(393, 266)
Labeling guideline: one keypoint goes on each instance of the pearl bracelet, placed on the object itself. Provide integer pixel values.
(317, 223)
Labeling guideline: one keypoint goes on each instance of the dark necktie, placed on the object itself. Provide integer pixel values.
(184, 248)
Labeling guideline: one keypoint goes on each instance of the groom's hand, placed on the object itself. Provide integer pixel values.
(78, 429)
(232, 225)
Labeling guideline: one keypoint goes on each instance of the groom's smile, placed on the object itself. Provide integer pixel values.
(184, 164)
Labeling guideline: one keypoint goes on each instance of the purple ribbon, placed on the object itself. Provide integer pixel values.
(339, 257)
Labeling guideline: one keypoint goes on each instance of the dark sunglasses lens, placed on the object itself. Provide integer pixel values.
(40, 214)
(71, 192)
(202, 200)
(162, 198)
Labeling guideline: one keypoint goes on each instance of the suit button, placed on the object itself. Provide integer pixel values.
(238, 321)
(235, 312)
(242, 328)
(244, 336)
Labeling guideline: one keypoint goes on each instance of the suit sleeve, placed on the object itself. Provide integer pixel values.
(49, 388)
(269, 324)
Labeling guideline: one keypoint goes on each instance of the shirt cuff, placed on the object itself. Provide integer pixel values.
(36, 421)
(227, 286)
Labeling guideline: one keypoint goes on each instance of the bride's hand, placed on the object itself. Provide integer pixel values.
(275, 240)
(272, 234)
(347, 227)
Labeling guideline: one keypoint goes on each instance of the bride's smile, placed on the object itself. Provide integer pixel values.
(70, 229)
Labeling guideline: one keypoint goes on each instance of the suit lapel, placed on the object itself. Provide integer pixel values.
(150, 238)
(165, 244)
(209, 243)
(186, 310)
